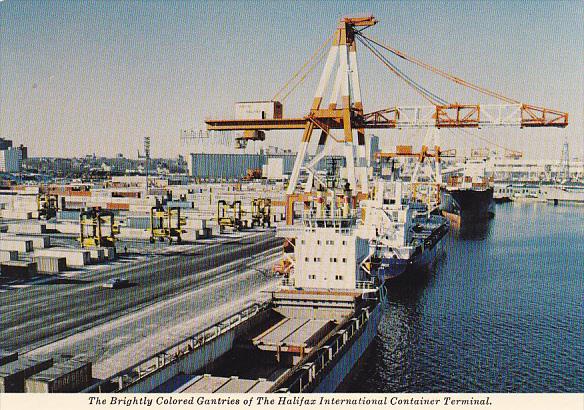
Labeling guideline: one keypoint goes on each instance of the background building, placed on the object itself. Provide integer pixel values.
(11, 157)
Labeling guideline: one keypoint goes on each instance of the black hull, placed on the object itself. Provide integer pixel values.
(424, 255)
(468, 204)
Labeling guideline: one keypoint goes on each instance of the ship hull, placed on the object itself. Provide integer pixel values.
(391, 268)
(341, 370)
(468, 204)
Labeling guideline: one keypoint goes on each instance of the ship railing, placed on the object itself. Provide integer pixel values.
(289, 231)
(364, 284)
(134, 374)
(329, 214)
(309, 373)
(482, 182)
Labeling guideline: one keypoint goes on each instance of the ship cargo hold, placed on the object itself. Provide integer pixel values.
(13, 374)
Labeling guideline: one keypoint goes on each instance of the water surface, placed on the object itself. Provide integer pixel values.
(500, 311)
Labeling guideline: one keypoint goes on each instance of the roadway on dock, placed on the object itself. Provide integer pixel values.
(44, 314)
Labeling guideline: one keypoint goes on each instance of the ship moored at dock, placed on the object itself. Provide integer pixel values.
(306, 338)
(469, 197)
(406, 236)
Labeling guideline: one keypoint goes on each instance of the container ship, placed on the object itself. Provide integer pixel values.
(407, 236)
(468, 197)
(306, 338)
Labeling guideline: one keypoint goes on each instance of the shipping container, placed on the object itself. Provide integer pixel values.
(38, 242)
(28, 228)
(7, 357)
(117, 206)
(8, 256)
(18, 269)
(126, 194)
(50, 264)
(258, 110)
(138, 222)
(74, 205)
(14, 374)
(110, 253)
(196, 224)
(97, 255)
(10, 214)
(71, 376)
(68, 215)
(224, 166)
(179, 204)
(79, 193)
(20, 245)
(74, 257)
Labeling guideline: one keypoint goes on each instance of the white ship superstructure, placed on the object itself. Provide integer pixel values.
(329, 249)
(406, 235)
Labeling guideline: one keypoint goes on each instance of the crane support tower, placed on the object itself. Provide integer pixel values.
(97, 228)
(47, 206)
(261, 212)
(229, 215)
(166, 224)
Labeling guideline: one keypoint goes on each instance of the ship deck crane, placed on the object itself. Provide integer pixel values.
(345, 110)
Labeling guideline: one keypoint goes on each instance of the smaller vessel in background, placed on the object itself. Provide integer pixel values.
(406, 234)
(469, 196)
(569, 192)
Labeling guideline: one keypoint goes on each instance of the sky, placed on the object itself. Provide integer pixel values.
(98, 76)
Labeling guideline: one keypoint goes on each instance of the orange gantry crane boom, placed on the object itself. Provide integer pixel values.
(439, 116)
(425, 152)
(345, 109)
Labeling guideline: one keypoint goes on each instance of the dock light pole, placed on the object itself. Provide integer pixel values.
(147, 156)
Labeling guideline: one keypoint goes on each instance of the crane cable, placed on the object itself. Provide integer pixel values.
(314, 64)
(297, 73)
(427, 95)
(457, 80)
(418, 87)
(442, 73)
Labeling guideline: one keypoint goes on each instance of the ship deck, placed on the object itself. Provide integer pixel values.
(293, 334)
(213, 384)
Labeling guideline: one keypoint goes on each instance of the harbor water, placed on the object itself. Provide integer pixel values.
(500, 311)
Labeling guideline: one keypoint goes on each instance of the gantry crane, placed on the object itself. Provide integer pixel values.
(345, 108)
(423, 191)
(166, 223)
(47, 205)
(97, 228)
(229, 215)
(261, 212)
